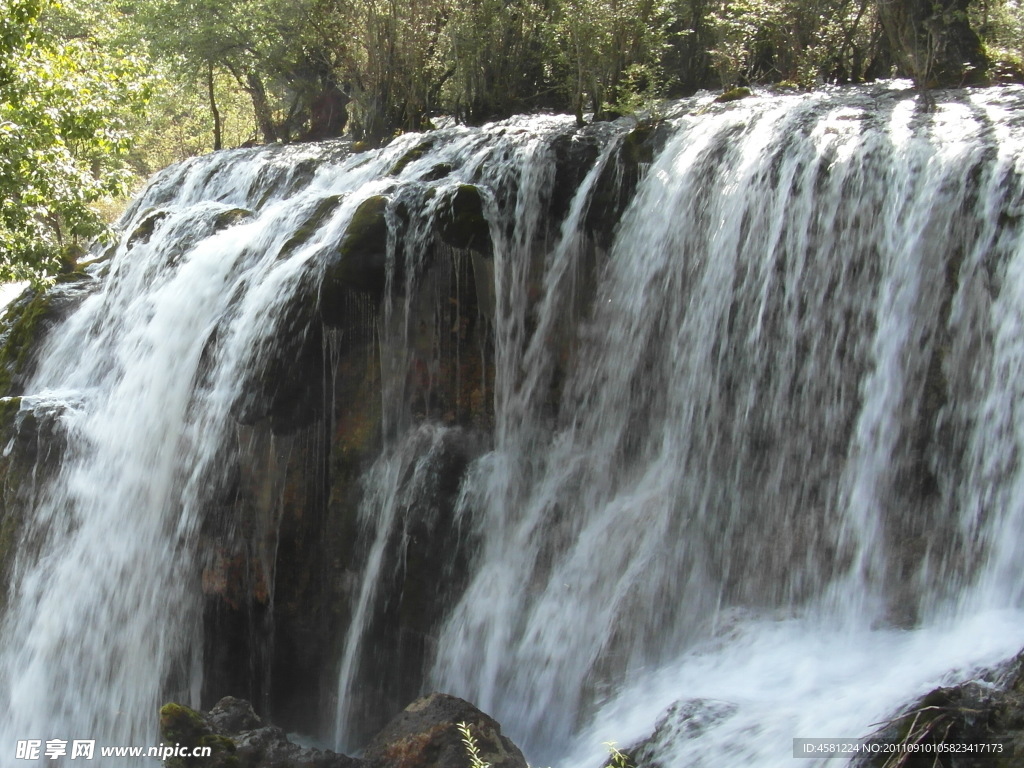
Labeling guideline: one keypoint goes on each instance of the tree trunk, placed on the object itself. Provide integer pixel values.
(932, 42)
(218, 142)
(261, 107)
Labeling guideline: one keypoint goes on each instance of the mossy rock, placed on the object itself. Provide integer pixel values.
(320, 213)
(145, 228)
(20, 329)
(734, 94)
(638, 146)
(439, 171)
(412, 156)
(463, 224)
(230, 217)
(10, 514)
(183, 726)
(361, 261)
(619, 180)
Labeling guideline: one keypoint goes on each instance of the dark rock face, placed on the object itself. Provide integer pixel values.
(426, 735)
(987, 711)
(339, 381)
(238, 738)
(33, 438)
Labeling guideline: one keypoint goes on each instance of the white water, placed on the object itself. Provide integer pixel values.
(735, 437)
(781, 475)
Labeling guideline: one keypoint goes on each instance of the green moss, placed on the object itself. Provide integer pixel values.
(230, 217)
(9, 407)
(734, 94)
(637, 146)
(362, 252)
(439, 171)
(316, 218)
(181, 725)
(412, 156)
(146, 227)
(19, 331)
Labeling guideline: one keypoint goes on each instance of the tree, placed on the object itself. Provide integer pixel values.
(932, 40)
(64, 108)
(497, 50)
(609, 50)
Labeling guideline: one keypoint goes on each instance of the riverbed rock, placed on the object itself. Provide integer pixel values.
(975, 724)
(426, 735)
(238, 738)
(685, 719)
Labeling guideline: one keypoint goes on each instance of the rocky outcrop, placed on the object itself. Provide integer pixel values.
(238, 738)
(32, 439)
(427, 734)
(976, 724)
(687, 718)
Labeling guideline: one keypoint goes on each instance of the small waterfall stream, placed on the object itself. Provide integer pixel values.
(736, 451)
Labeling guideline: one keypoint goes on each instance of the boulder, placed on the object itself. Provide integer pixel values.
(987, 710)
(238, 738)
(462, 223)
(361, 260)
(426, 735)
(684, 719)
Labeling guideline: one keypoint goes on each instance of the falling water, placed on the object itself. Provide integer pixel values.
(753, 436)
(786, 437)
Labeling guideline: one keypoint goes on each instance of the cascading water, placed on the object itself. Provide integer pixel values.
(722, 454)
(771, 450)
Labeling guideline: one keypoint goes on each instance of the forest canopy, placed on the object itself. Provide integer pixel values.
(95, 93)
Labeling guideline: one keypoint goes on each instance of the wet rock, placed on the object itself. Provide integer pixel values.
(734, 94)
(238, 738)
(412, 155)
(574, 156)
(683, 720)
(462, 223)
(621, 176)
(230, 217)
(26, 322)
(317, 216)
(287, 373)
(361, 262)
(232, 715)
(426, 735)
(187, 729)
(956, 722)
(144, 229)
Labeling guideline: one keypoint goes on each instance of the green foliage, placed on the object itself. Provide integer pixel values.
(609, 50)
(176, 123)
(616, 757)
(472, 750)
(64, 110)
(497, 51)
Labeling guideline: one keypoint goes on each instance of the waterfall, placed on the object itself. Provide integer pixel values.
(707, 423)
